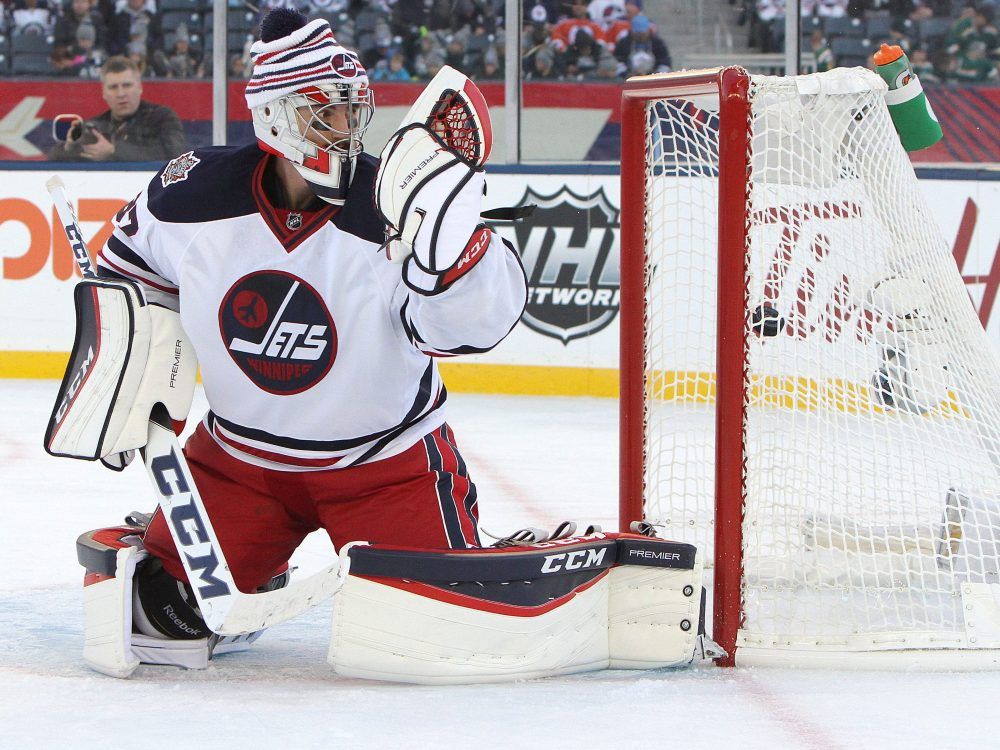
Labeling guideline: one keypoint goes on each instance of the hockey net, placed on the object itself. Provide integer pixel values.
(807, 392)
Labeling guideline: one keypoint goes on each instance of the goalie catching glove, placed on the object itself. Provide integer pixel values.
(431, 181)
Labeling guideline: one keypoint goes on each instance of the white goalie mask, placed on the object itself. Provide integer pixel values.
(310, 103)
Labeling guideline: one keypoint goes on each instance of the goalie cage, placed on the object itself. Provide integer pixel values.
(815, 404)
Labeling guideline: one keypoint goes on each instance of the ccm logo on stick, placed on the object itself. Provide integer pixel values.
(79, 250)
(186, 520)
(576, 560)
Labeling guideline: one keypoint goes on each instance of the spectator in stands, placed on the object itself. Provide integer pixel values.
(974, 66)
(977, 26)
(765, 15)
(821, 50)
(393, 70)
(238, 67)
(134, 21)
(543, 65)
(87, 58)
(136, 52)
(31, 17)
(922, 66)
(429, 46)
(433, 63)
(944, 65)
(131, 129)
(490, 69)
(182, 61)
(607, 66)
(632, 9)
(534, 39)
(619, 27)
(641, 51)
(962, 31)
(986, 30)
(580, 60)
(477, 45)
(606, 12)
(616, 29)
(64, 36)
(564, 33)
(455, 51)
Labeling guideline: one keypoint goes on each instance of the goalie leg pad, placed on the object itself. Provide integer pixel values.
(655, 613)
(128, 356)
(559, 607)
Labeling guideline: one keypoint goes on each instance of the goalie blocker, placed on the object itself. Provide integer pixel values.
(128, 356)
(485, 615)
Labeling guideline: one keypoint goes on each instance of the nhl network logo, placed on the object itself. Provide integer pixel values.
(569, 247)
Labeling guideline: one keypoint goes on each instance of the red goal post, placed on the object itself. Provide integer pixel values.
(806, 392)
(730, 86)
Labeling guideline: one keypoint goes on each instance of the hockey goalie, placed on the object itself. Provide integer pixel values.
(318, 286)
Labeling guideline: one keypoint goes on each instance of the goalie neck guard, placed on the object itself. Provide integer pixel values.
(309, 100)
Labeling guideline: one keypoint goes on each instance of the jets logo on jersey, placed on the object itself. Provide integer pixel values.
(177, 169)
(278, 331)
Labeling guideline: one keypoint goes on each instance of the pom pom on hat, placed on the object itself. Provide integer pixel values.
(281, 22)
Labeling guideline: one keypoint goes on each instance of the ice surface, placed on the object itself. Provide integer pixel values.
(536, 461)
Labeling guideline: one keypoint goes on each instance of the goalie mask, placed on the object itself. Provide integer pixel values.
(310, 102)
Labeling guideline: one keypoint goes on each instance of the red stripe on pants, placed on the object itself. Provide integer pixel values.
(460, 485)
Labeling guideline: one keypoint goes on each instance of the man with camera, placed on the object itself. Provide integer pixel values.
(131, 129)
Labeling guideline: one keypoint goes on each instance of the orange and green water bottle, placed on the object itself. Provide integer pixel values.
(911, 113)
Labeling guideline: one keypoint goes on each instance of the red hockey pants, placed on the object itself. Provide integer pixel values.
(422, 497)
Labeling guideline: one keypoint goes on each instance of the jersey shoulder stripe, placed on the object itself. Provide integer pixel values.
(212, 184)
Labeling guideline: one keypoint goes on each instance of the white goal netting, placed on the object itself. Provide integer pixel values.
(872, 433)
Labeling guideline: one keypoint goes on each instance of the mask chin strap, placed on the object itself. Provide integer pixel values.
(332, 194)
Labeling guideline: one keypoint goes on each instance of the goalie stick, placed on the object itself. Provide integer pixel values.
(225, 609)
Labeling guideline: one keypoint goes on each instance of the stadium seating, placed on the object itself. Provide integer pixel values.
(29, 55)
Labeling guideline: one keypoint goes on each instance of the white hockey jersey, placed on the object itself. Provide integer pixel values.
(314, 354)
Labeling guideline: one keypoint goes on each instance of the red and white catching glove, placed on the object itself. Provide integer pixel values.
(431, 181)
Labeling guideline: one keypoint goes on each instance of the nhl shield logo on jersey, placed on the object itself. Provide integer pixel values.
(569, 247)
(279, 331)
(294, 220)
(177, 169)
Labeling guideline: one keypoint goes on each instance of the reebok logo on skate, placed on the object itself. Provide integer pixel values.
(279, 331)
(168, 610)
